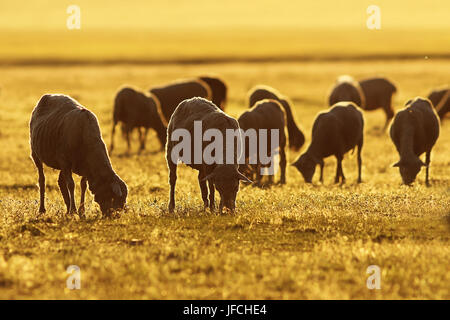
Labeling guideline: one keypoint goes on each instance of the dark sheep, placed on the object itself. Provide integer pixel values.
(334, 133)
(265, 114)
(137, 110)
(378, 93)
(346, 89)
(414, 131)
(296, 136)
(170, 96)
(218, 89)
(224, 177)
(441, 101)
(66, 136)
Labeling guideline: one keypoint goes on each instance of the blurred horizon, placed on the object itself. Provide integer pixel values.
(177, 30)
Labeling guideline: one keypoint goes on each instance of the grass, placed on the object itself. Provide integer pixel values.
(298, 241)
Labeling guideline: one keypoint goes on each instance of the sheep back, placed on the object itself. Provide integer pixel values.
(419, 124)
(377, 92)
(437, 98)
(347, 89)
(265, 114)
(261, 92)
(338, 130)
(172, 95)
(198, 109)
(218, 90)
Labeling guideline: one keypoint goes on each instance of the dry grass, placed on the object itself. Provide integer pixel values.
(291, 242)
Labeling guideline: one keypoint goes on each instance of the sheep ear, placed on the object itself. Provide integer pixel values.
(244, 178)
(209, 176)
(116, 189)
(396, 164)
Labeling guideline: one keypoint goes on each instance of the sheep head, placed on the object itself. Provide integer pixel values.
(226, 180)
(112, 196)
(409, 169)
(306, 164)
(247, 170)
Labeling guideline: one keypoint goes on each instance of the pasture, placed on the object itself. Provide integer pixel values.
(296, 241)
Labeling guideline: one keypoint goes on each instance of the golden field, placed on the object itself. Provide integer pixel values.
(295, 241)
(291, 242)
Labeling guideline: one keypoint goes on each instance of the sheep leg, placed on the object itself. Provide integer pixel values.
(212, 190)
(83, 184)
(112, 137)
(270, 179)
(64, 191)
(359, 160)
(336, 178)
(283, 165)
(427, 162)
(203, 188)
(172, 182)
(71, 186)
(258, 175)
(144, 138)
(140, 139)
(389, 115)
(127, 137)
(321, 171)
(40, 168)
(339, 171)
(221, 205)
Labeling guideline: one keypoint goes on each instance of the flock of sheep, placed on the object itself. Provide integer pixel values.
(66, 136)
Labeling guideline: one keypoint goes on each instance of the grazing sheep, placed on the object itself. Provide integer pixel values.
(135, 109)
(414, 131)
(265, 114)
(378, 93)
(346, 89)
(441, 101)
(218, 89)
(66, 136)
(224, 177)
(296, 136)
(334, 132)
(171, 95)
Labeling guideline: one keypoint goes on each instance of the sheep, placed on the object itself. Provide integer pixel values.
(378, 93)
(66, 136)
(346, 89)
(225, 177)
(414, 131)
(218, 89)
(135, 109)
(334, 132)
(296, 136)
(441, 101)
(171, 95)
(265, 114)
